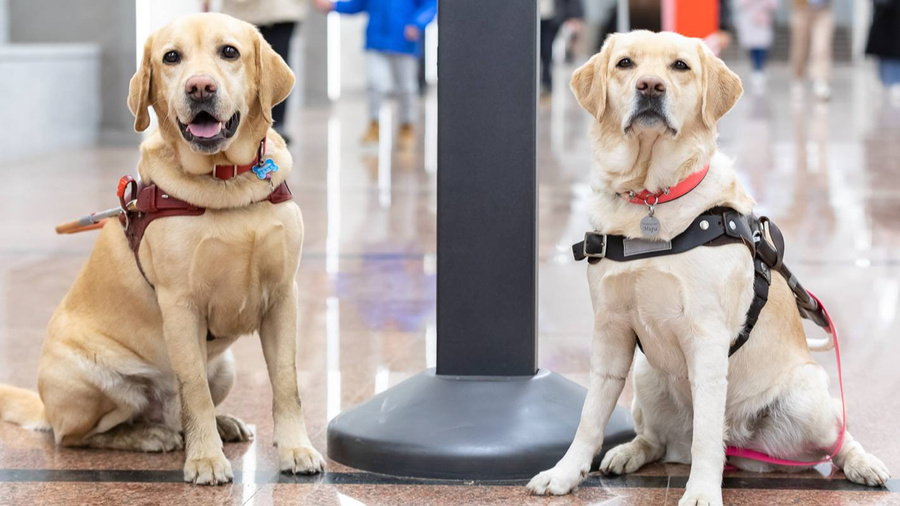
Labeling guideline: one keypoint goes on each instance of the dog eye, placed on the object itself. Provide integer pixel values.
(172, 57)
(230, 52)
(680, 65)
(625, 63)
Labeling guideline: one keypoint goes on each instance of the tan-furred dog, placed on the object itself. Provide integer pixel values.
(655, 99)
(127, 365)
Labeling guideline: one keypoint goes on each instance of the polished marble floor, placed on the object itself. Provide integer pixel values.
(829, 174)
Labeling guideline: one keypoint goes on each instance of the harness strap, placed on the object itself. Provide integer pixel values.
(152, 203)
(716, 227)
(762, 279)
(766, 243)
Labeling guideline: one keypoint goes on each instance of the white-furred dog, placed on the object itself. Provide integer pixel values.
(656, 98)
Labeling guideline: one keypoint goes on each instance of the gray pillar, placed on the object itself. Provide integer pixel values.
(315, 62)
(487, 189)
(623, 22)
(4, 21)
(486, 413)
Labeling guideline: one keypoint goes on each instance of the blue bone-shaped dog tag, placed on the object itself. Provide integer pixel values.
(265, 170)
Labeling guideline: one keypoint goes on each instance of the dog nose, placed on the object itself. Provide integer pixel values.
(200, 88)
(651, 86)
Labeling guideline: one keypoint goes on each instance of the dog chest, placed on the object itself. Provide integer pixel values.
(229, 263)
(670, 302)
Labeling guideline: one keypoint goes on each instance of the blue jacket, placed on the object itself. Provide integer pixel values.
(388, 20)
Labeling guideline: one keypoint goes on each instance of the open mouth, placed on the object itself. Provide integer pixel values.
(205, 129)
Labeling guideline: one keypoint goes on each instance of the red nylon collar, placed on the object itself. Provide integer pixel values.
(646, 197)
(226, 172)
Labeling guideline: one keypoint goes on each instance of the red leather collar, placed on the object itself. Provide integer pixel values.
(681, 189)
(226, 172)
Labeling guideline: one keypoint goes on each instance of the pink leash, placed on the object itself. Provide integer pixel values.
(732, 451)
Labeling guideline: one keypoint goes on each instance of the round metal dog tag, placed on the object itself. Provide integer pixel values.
(650, 226)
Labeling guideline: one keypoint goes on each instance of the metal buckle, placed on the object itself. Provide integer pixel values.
(765, 234)
(602, 253)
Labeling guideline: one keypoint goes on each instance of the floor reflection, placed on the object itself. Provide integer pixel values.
(826, 173)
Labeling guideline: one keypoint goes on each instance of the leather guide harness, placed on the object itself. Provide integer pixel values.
(150, 202)
(715, 227)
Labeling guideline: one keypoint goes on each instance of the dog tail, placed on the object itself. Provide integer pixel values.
(22, 407)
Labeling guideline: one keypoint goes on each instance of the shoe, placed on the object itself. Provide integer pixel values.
(406, 138)
(821, 90)
(372, 134)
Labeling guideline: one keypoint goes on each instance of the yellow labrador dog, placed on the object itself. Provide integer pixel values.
(135, 359)
(655, 99)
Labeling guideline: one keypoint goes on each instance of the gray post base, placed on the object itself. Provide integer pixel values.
(466, 428)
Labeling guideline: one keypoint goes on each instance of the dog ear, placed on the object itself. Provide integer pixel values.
(589, 81)
(274, 79)
(721, 87)
(139, 91)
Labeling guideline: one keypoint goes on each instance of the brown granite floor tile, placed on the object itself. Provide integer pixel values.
(400, 495)
(130, 494)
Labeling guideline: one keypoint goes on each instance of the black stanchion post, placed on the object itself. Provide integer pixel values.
(487, 412)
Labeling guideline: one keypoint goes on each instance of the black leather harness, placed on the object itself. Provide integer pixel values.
(715, 227)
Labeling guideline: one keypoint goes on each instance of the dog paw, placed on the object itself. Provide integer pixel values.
(208, 471)
(556, 481)
(302, 460)
(158, 438)
(233, 430)
(693, 497)
(866, 469)
(625, 458)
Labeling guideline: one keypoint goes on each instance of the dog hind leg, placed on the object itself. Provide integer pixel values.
(140, 437)
(859, 465)
(220, 374)
(805, 425)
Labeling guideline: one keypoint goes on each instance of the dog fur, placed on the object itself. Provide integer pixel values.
(690, 399)
(127, 366)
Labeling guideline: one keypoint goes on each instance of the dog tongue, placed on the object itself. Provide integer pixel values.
(204, 129)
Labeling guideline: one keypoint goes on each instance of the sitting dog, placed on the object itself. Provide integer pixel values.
(655, 100)
(137, 354)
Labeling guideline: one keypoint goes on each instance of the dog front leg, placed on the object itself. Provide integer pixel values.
(185, 335)
(612, 351)
(707, 363)
(279, 341)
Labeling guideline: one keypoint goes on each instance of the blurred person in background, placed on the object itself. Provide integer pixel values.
(884, 43)
(555, 13)
(753, 20)
(812, 31)
(276, 20)
(394, 39)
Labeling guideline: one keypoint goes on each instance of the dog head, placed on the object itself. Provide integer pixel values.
(211, 79)
(645, 83)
